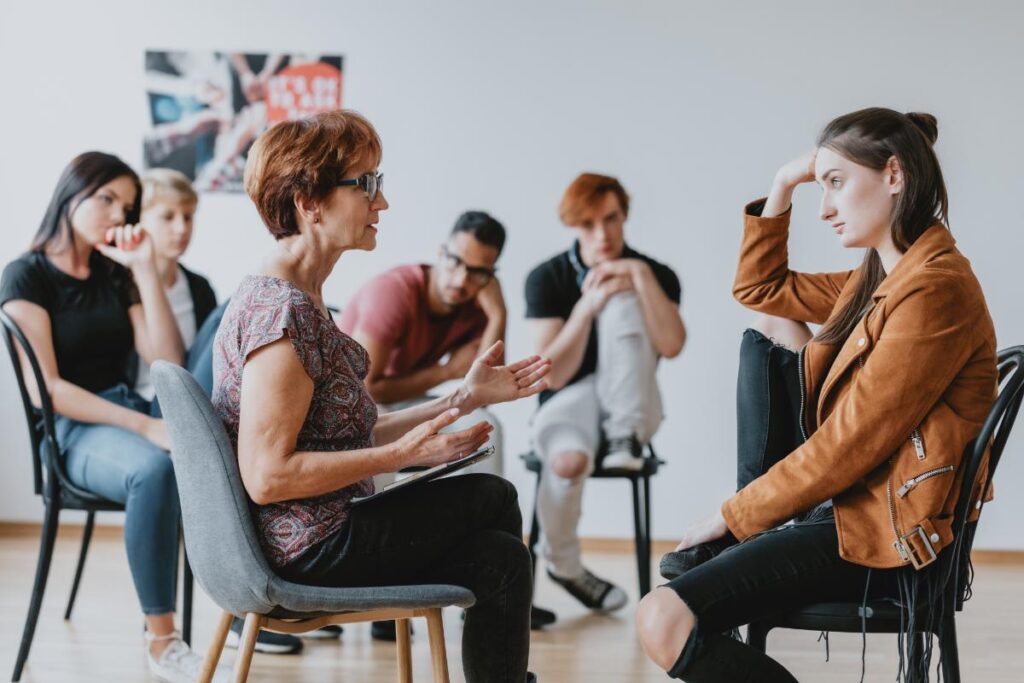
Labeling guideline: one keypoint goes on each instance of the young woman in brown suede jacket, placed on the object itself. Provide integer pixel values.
(856, 432)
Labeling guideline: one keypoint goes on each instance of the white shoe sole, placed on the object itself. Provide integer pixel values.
(234, 640)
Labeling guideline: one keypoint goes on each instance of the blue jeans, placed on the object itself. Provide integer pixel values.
(127, 468)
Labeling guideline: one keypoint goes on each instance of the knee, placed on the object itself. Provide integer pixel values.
(789, 333)
(570, 465)
(663, 624)
(156, 476)
(497, 501)
(623, 307)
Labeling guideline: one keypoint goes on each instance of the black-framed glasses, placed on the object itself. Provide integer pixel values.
(370, 183)
(479, 275)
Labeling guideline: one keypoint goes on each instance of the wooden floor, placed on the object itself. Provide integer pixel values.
(103, 641)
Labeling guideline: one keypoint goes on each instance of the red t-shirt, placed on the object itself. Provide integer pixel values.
(392, 309)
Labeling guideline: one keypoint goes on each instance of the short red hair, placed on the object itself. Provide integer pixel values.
(586, 192)
(305, 158)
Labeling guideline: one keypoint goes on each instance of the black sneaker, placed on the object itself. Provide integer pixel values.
(592, 591)
(540, 617)
(385, 630)
(329, 632)
(267, 642)
(678, 562)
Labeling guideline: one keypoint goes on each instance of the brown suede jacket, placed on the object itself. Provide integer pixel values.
(889, 412)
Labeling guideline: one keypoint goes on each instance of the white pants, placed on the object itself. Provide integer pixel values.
(492, 465)
(621, 397)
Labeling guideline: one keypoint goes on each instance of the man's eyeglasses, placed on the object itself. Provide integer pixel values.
(370, 183)
(478, 275)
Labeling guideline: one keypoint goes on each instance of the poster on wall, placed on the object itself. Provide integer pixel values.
(206, 108)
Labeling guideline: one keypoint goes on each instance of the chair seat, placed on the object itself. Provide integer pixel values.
(298, 601)
(71, 500)
(650, 468)
(883, 616)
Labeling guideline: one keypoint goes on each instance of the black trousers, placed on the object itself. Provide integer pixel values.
(464, 531)
(776, 571)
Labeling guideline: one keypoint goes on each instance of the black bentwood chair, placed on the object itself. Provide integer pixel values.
(951, 568)
(58, 493)
(640, 482)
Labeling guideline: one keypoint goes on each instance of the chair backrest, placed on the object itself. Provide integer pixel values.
(222, 544)
(39, 420)
(995, 431)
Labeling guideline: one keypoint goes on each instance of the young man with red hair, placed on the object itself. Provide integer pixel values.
(604, 314)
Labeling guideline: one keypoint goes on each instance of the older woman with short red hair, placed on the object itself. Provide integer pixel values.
(289, 388)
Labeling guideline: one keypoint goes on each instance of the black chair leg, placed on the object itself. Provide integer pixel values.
(49, 536)
(757, 636)
(643, 556)
(186, 610)
(535, 530)
(647, 530)
(949, 656)
(86, 538)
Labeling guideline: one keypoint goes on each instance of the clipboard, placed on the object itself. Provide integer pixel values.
(428, 475)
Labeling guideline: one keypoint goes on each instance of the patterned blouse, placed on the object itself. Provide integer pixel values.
(341, 414)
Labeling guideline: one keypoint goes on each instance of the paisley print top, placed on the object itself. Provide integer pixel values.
(341, 414)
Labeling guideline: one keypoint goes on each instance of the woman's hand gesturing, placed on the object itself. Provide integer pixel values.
(424, 445)
(487, 383)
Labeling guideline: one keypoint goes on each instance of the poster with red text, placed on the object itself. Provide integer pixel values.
(206, 108)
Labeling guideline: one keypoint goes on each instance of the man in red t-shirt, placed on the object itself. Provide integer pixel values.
(424, 325)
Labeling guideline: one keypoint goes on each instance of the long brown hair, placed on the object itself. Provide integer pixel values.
(81, 178)
(870, 137)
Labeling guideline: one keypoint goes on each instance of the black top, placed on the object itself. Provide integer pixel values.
(553, 288)
(203, 298)
(92, 333)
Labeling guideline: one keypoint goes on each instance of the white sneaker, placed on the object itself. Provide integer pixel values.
(624, 453)
(179, 664)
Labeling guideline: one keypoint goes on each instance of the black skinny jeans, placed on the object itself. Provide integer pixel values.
(463, 531)
(776, 571)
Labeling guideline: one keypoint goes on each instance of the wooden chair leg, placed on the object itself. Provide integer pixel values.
(253, 622)
(216, 648)
(404, 651)
(438, 654)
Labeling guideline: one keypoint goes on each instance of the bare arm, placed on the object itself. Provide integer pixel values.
(662, 318)
(275, 399)
(157, 336)
(486, 383)
(394, 389)
(68, 399)
(492, 303)
(564, 342)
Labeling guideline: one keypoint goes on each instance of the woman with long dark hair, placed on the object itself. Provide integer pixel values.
(857, 432)
(87, 294)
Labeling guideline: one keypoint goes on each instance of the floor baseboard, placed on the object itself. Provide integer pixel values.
(73, 530)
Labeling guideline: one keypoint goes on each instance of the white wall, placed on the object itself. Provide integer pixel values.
(499, 105)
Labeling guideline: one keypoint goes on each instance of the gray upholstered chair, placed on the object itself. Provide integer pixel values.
(227, 560)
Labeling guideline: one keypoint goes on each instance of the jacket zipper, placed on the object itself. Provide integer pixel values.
(800, 374)
(918, 441)
(909, 484)
(897, 544)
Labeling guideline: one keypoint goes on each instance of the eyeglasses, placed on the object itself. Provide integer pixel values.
(370, 183)
(478, 275)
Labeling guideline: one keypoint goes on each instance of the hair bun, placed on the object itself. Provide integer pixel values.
(926, 123)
